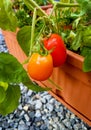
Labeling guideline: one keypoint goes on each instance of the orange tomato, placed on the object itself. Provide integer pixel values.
(40, 67)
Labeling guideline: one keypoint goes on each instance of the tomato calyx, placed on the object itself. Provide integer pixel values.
(41, 49)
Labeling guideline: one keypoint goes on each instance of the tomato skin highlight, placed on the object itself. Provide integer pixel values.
(59, 53)
(40, 67)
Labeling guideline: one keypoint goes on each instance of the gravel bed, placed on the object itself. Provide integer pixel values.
(39, 111)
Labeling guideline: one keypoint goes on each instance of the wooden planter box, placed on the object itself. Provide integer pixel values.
(75, 84)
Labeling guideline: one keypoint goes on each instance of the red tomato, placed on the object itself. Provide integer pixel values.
(59, 54)
(40, 67)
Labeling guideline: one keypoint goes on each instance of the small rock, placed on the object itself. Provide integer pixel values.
(55, 119)
(0, 128)
(49, 107)
(5, 124)
(26, 117)
(38, 104)
(50, 127)
(32, 128)
(43, 100)
(23, 127)
(61, 127)
(44, 117)
(67, 123)
(43, 127)
(20, 107)
(29, 93)
(68, 115)
(45, 110)
(72, 121)
(47, 97)
(22, 113)
(26, 107)
(38, 113)
(72, 116)
(52, 101)
(21, 122)
(37, 119)
(77, 126)
(31, 114)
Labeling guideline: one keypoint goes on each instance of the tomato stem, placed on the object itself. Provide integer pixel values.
(60, 4)
(56, 21)
(32, 31)
(57, 86)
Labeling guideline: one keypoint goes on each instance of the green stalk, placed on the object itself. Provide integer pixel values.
(33, 4)
(52, 82)
(51, 1)
(60, 4)
(56, 21)
(41, 31)
(32, 31)
(54, 7)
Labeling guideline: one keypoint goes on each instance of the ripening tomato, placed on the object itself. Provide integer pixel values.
(40, 67)
(56, 43)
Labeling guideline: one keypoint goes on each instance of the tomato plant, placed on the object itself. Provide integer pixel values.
(40, 67)
(56, 43)
(30, 38)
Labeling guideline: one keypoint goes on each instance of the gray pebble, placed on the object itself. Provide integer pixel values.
(0, 128)
(38, 104)
(67, 123)
(44, 127)
(23, 127)
(26, 117)
(38, 113)
(29, 93)
(49, 107)
(77, 126)
(32, 128)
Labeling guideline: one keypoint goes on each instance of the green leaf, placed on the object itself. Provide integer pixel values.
(35, 87)
(88, 10)
(8, 19)
(87, 31)
(11, 100)
(77, 41)
(85, 51)
(86, 38)
(11, 71)
(82, 2)
(4, 85)
(87, 63)
(23, 37)
(2, 94)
